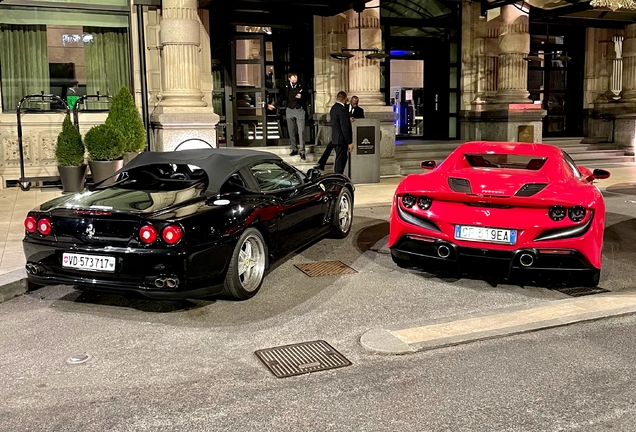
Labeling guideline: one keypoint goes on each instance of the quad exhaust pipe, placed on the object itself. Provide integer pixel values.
(33, 269)
(526, 259)
(443, 251)
(167, 282)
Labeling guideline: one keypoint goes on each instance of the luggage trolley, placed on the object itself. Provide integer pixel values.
(100, 98)
(25, 182)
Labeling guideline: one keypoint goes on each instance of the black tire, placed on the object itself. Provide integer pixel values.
(25, 186)
(402, 263)
(342, 215)
(245, 273)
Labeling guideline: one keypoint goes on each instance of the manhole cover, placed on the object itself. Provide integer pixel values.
(581, 291)
(301, 358)
(325, 268)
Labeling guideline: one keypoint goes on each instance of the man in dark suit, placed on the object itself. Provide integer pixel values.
(355, 112)
(341, 132)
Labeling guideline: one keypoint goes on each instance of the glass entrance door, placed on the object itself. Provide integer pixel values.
(249, 91)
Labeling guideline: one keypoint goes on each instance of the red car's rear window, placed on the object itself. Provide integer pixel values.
(532, 163)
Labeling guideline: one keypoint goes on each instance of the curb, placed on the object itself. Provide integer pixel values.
(395, 341)
(13, 284)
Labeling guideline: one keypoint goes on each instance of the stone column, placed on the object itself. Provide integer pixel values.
(514, 45)
(183, 116)
(629, 64)
(180, 40)
(364, 74)
(616, 81)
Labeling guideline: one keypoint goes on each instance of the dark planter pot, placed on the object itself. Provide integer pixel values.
(73, 178)
(101, 170)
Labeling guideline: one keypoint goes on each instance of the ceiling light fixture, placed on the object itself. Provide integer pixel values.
(345, 53)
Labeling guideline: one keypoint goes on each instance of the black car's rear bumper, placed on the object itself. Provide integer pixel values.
(193, 272)
(488, 262)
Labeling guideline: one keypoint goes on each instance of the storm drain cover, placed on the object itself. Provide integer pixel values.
(325, 268)
(301, 358)
(581, 291)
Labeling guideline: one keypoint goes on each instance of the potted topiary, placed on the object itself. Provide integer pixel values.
(125, 117)
(70, 157)
(105, 146)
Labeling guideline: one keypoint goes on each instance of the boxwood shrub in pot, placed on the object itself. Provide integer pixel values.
(69, 153)
(125, 117)
(105, 146)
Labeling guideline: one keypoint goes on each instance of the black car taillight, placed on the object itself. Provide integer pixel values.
(148, 234)
(44, 226)
(172, 234)
(557, 213)
(30, 224)
(459, 185)
(576, 213)
(424, 202)
(408, 200)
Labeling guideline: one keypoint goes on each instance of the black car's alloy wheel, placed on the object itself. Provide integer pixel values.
(343, 215)
(245, 273)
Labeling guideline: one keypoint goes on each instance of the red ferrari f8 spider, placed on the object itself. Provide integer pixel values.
(502, 209)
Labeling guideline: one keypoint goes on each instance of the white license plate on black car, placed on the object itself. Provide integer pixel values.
(483, 234)
(89, 262)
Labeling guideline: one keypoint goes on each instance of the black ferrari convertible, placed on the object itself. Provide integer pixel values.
(185, 224)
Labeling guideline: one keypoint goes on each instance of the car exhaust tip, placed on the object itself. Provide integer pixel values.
(33, 269)
(172, 282)
(443, 251)
(160, 282)
(526, 260)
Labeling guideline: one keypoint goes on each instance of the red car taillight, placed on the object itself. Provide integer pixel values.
(44, 226)
(148, 234)
(172, 234)
(30, 224)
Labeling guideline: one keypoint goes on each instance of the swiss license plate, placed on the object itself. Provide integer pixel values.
(490, 235)
(89, 262)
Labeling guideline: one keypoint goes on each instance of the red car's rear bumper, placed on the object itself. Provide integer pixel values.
(427, 239)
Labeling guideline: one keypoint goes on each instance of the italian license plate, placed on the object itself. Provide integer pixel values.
(490, 235)
(89, 262)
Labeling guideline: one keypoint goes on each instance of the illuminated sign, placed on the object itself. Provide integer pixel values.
(77, 38)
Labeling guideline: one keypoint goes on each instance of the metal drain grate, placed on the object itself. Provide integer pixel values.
(301, 358)
(581, 291)
(325, 268)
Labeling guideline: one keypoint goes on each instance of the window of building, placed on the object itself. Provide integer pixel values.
(66, 52)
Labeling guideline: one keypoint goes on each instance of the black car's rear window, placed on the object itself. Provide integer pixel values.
(532, 163)
(161, 177)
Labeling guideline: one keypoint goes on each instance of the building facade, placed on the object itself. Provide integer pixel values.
(427, 69)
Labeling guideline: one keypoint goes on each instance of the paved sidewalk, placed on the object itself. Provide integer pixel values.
(499, 323)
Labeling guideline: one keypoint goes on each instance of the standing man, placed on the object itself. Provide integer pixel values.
(294, 95)
(341, 132)
(355, 110)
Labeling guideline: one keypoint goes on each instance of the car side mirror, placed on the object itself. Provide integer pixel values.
(428, 164)
(313, 174)
(599, 174)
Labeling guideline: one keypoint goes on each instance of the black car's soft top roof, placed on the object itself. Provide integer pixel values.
(218, 164)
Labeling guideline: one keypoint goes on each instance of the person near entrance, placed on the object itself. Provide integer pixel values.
(294, 96)
(355, 112)
(341, 132)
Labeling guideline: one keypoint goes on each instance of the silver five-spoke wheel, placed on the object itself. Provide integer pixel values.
(251, 265)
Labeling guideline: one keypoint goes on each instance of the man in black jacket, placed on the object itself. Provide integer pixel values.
(355, 112)
(341, 132)
(294, 96)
